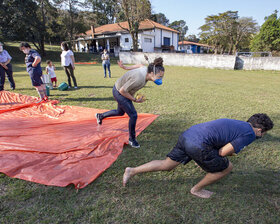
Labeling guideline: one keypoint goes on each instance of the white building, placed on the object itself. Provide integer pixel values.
(152, 37)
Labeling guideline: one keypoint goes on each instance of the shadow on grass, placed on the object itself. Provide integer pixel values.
(90, 99)
(95, 87)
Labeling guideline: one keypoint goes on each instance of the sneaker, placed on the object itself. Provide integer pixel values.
(133, 143)
(76, 87)
(98, 118)
(69, 87)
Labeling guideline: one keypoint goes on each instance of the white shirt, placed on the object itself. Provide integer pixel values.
(66, 58)
(51, 71)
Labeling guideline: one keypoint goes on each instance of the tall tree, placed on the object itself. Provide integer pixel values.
(69, 19)
(226, 31)
(135, 11)
(160, 18)
(192, 38)
(268, 39)
(180, 25)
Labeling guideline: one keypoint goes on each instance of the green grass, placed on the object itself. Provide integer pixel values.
(250, 194)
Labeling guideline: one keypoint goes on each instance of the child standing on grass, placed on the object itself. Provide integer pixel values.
(50, 71)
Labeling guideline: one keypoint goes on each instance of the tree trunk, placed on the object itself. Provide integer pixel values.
(134, 41)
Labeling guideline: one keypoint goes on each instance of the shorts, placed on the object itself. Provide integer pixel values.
(207, 158)
(35, 77)
(53, 79)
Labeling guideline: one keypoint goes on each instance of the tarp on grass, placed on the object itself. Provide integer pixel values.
(59, 145)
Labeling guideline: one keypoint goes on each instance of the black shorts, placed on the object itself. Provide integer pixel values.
(35, 77)
(206, 157)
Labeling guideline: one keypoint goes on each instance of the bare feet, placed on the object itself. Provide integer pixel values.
(201, 193)
(126, 176)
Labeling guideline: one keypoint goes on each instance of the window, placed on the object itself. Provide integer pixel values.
(148, 40)
(126, 40)
(166, 41)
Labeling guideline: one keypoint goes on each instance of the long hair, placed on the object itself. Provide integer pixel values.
(157, 66)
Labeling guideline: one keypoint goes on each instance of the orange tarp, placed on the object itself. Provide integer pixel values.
(59, 145)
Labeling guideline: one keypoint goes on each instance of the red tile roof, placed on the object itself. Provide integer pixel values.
(184, 42)
(117, 27)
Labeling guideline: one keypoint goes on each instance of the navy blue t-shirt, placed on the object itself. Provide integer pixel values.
(218, 133)
(30, 58)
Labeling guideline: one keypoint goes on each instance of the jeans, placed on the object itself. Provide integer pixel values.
(124, 106)
(9, 74)
(70, 74)
(106, 65)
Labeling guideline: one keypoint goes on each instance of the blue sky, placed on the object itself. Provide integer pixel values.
(194, 11)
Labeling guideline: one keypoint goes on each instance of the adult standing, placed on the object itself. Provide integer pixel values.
(125, 88)
(106, 63)
(33, 67)
(68, 62)
(6, 68)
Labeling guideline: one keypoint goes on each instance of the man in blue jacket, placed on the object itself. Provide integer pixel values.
(208, 144)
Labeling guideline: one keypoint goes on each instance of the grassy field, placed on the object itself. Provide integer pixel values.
(250, 194)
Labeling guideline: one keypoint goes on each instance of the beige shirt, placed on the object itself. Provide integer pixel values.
(133, 80)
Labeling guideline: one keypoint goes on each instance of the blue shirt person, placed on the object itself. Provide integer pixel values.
(6, 68)
(209, 144)
(33, 67)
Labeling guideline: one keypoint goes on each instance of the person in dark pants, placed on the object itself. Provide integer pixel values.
(6, 68)
(33, 67)
(106, 63)
(125, 88)
(208, 144)
(68, 62)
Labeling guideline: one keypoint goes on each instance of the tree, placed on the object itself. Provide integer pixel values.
(226, 31)
(135, 11)
(268, 39)
(180, 25)
(192, 38)
(160, 18)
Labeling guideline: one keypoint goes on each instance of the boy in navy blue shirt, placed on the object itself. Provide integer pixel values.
(208, 144)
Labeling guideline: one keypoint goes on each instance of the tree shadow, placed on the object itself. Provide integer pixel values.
(90, 99)
(95, 87)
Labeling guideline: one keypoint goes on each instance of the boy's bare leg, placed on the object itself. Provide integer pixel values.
(210, 178)
(155, 165)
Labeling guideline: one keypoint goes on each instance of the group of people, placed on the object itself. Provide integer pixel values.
(208, 144)
(34, 69)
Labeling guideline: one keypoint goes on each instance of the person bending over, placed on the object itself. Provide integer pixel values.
(208, 144)
(125, 88)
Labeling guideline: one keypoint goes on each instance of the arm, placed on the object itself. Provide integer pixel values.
(73, 60)
(226, 150)
(129, 67)
(47, 71)
(53, 67)
(36, 61)
(4, 65)
(129, 96)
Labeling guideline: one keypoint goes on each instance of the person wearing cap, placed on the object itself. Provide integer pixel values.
(6, 68)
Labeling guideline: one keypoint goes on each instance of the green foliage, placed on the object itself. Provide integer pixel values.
(160, 18)
(180, 25)
(268, 39)
(227, 32)
(135, 11)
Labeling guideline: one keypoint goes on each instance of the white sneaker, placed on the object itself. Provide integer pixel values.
(76, 87)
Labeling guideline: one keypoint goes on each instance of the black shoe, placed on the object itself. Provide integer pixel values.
(98, 118)
(133, 143)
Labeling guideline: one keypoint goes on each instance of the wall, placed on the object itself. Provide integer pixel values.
(257, 63)
(181, 59)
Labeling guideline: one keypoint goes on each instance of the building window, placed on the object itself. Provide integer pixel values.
(126, 40)
(148, 40)
(166, 41)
